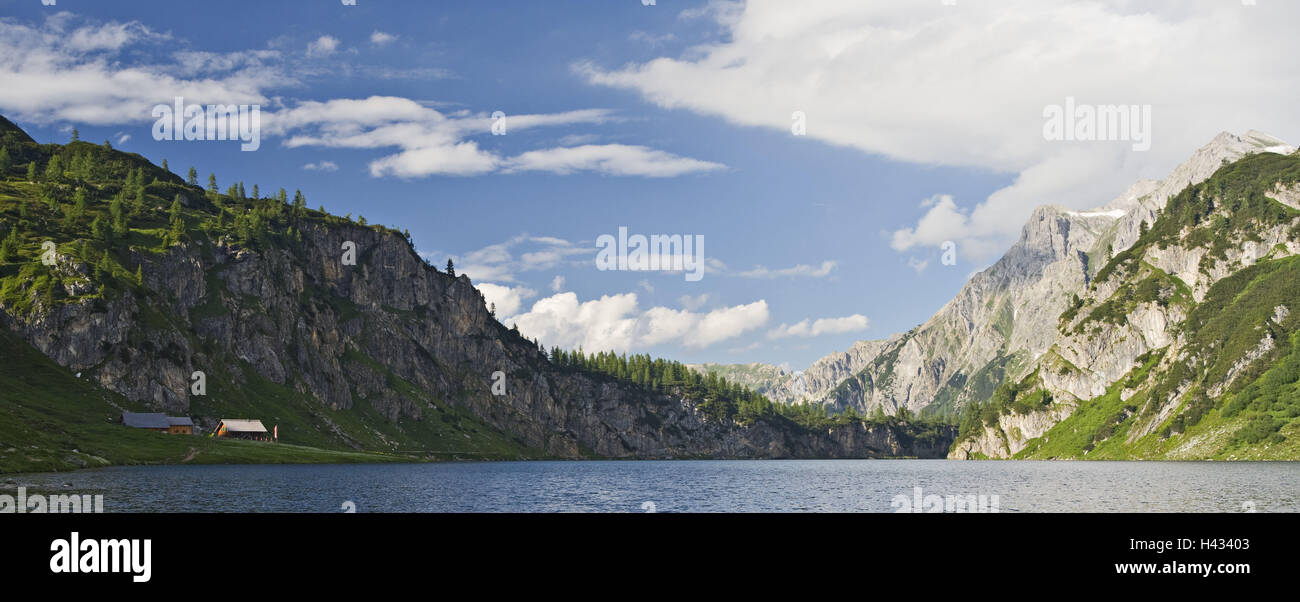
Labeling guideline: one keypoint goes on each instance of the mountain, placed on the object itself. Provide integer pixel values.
(1052, 351)
(1185, 345)
(336, 331)
(1005, 317)
(810, 384)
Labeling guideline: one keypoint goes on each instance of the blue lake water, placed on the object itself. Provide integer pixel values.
(682, 486)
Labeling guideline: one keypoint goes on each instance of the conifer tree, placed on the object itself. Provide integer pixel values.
(54, 169)
(79, 203)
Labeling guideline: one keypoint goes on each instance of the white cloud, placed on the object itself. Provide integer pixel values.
(122, 138)
(646, 286)
(651, 39)
(578, 139)
(380, 38)
(434, 143)
(499, 263)
(917, 264)
(557, 284)
(321, 166)
(916, 81)
(91, 74)
(508, 300)
(805, 328)
(614, 322)
(98, 74)
(109, 36)
(612, 159)
(693, 303)
(798, 270)
(322, 46)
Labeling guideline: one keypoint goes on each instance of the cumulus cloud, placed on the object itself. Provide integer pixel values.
(967, 86)
(557, 284)
(322, 46)
(507, 299)
(615, 322)
(821, 326)
(379, 38)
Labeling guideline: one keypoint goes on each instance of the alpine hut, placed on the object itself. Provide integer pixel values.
(162, 423)
(242, 429)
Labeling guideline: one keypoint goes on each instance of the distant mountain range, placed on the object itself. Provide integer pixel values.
(1127, 322)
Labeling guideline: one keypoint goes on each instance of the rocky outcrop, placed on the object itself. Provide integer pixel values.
(790, 387)
(1009, 310)
(1162, 319)
(341, 335)
(1010, 435)
(1008, 316)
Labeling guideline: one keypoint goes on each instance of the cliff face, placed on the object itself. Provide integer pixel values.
(387, 353)
(810, 384)
(1184, 345)
(994, 324)
(1006, 318)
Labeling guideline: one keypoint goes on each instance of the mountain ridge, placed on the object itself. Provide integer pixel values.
(1003, 325)
(386, 353)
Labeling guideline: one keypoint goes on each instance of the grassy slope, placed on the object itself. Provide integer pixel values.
(53, 420)
(1234, 316)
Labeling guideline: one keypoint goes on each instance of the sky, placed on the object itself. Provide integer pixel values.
(826, 152)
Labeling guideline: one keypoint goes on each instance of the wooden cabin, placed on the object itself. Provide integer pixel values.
(180, 425)
(243, 429)
(158, 422)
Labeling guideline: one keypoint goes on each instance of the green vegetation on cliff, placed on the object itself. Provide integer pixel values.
(721, 400)
(172, 277)
(1227, 388)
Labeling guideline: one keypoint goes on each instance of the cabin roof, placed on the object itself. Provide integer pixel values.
(243, 426)
(146, 421)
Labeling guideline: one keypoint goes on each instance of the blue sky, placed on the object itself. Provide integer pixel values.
(842, 225)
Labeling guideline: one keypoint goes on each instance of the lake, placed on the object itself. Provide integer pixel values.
(683, 486)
